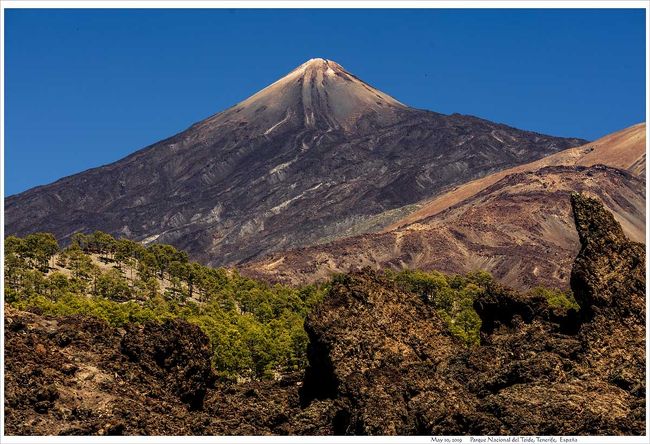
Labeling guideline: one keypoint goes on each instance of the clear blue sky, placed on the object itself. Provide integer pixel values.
(87, 87)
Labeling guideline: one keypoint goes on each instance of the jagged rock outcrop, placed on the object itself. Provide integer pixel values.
(608, 280)
(381, 361)
(609, 272)
(373, 347)
(538, 370)
(176, 353)
(78, 376)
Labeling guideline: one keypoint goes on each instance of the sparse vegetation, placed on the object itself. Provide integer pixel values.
(557, 298)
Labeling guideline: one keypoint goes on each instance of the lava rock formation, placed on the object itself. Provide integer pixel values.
(380, 362)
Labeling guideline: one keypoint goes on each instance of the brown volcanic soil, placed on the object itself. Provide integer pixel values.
(515, 224)
(519, 229)
(381, 362)
(623, 149)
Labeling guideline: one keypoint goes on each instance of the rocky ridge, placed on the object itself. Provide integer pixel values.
(381, 362)
(517, 223)
(538, 370)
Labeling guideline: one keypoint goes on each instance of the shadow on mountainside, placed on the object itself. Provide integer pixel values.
(381, 362)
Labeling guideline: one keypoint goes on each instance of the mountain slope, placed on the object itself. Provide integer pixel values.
(516, 224)
(305, 159)
(623, 149)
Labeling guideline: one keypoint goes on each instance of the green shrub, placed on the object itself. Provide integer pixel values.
(557, 298)
(452, 296)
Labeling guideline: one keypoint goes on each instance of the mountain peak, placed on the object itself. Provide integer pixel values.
(320, 93)
(318, 60)
(329, 67)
